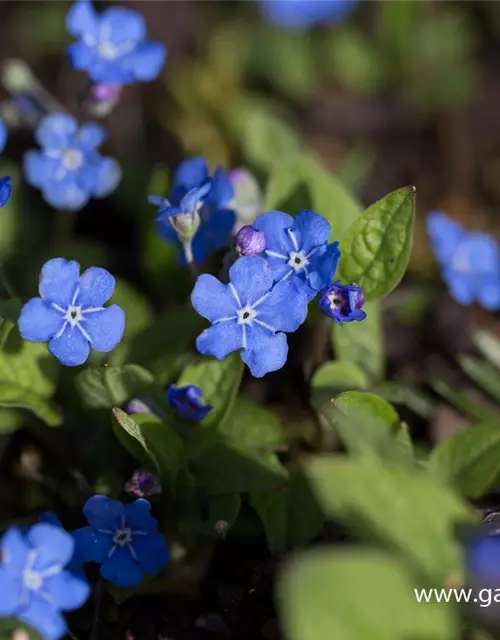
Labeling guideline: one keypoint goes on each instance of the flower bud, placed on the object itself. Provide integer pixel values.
(343, 303)
(143, 483)
(250, 242)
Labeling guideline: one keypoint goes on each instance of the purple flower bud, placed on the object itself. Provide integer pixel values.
(343, 303)
(106, 92)
(250, 242)
(143, 483)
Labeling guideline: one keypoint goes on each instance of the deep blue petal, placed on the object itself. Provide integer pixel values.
(38, 321)
(71, 348)
(138, 516)
(105, 327)
(91, 545)
(56, 131)
(11, 589)
(212, 299)
(483, 560)
(187, 402)
(122, 26)
(251, 278)
(43, 617)
(96, 287)
(222, 189)
(82, 20)
(220, 339)
(191, 173)
(103, 512)
(121, 569)
(218, 228)
(59, 281)
(286, 307)
(3, 135)
(314, 229)
(266, 351)
(68, 592)
(322, 267)
(54, 546)
(275, 224)
(146, 61)
(5, 190)
(152, 552)
(14, 551)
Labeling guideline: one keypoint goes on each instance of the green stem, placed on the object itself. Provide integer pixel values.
(188, 252)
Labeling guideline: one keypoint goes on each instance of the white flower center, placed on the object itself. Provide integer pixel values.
(297, 260)
(73, 315)
(335, 301)
(122, 537)
(33, 580)
(246, 315)
(72, 159)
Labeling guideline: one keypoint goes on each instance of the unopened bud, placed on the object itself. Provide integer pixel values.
(250, 242)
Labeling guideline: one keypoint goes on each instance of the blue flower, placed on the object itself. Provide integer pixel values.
(249, 313)
(5, 190)
(470, 261)
(343, 302)
(34, 585)
(123, 539)
(75, 565)
(483, 560)
(3, 135)
(211, 197)
(298, 249)
(112, 47)
(187, 402)
(69, 170)
(70, 314)
(302, 14)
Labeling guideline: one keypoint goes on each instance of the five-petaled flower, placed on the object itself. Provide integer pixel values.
(34, 584)
(69, 170)
(187, 402)
(343, 302)
(303, 14)
(210, 197)
(298, 249)
(470, 261)
(112, 46)
(70, 314)
(123, 539)
(249, 313)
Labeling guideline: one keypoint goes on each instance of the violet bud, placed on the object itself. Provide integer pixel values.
(250, 242)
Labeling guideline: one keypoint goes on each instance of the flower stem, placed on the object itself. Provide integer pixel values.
(188, 252)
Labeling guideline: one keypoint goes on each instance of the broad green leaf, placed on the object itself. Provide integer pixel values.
(362, 343)
(10, 420)
(252, 425)
(291, 516)
(105, 387)
(484, 375)
(469, 460)
(400, 393)
(464, 403)
(138, 310)
(333, 378)
(15, 396)
(370, 404)
(404, 509)
(320, 596)
(284, 180)
(376, 248)
(151, 442)
(219, 380)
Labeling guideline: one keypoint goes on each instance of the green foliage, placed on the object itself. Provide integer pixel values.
(485, 375)
(332, 378)
(222, 513)
(105, 387)
(138, 310)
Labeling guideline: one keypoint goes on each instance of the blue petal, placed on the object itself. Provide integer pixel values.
(483, 560)
(38, 321)
(212, 299)
(138, 516)
(314, 229)
(445, 235)
(122, 26)
(105, 327)
(14, 551)
(91, 545)
(83, 57)
(266, 352)
(59, 280)
(480, 251)
(302, 14)
(191, 173)
(323, 266)
(222, 189)
(158, 201)
(462, 287)
(274, 224)
(82, 20)
(11, 589)
(48, 517)
(201, 246)
(146, 61)
(489, 295)
(43, 617)
(90, 137)
(194, 196)
(103, 512)
(56, 131)
(66, 194)
(152, 552)
(96, 287)
(285, 309)
(218, 228)
(54, 545)
(71, 348)
(38, 168)
(3, 135)
(5, 190)
(107, 176)
(121, 569)
(220, 339)
(252, 278)
(67, 591)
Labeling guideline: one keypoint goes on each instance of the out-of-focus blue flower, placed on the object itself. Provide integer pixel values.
(75, 565)
(250, 242)
(112, 46)
(248, 197)
(69, 169)
(34, 584)
(250, 314)
(193, 189)
(483, 560)
(303, 14)
(70, 314)
(123, 539)
(469, 260)
(343, 302)
(143, 483)
(298, 250)
(5, 190)
(3, 135)
(187, 402)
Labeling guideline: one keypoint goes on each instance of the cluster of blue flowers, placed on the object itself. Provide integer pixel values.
(41, 567)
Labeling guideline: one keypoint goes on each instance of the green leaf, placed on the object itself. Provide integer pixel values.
(376, 248)
(333, 378)
(105, 387)
(291, 517)
(15, 396)
(362, 343)
(219, 380)
(403, 509)
(222, 513)
(151, 442)
(320, 595)
(469, 460)
(485, 375)
(11, 628)
(138, 310)
(461, 401)
(252, 425)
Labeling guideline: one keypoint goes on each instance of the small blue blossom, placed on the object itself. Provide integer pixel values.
(143, 483)
(249, 313)
(343, 302)
(112, 46)
(469, 260)
(187, 402)
(303, 14)
(250, 242)
(298, 249)
(194, 190)
(69, 170)
(34, 584)
(123, 539)
(70, 314)
(3, 135)
(5, 190)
